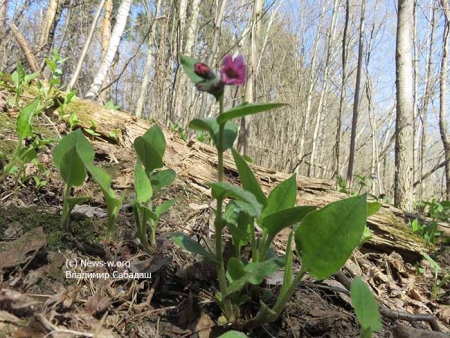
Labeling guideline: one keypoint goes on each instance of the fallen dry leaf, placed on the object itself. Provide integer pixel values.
(15, 252)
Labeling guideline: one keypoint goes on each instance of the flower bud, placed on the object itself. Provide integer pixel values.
(214, 87)
(204, 71)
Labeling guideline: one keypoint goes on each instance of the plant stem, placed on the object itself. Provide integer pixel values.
(66, 210)
(281, 302)
(219, 225)
(268, 317)
(12, 161)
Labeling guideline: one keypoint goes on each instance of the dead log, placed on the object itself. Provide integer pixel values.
(195, 163)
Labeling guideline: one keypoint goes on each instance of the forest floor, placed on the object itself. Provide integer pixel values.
(40, 298)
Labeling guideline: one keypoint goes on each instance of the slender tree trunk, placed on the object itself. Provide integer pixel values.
(443, 98)
(76, 73)
(148, 64)
(337, 145)
(220, 12)
(106, 37)
(50, 23)
(324, 90)
(121, 20)
(404, 143)
(3, 29)
(66, 25)
(426, 99)
(351, 160)
(48, 34)
(244, 131)
(312, 86)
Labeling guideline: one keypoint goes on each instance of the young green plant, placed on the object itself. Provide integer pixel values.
(150, 149)
(21, 79)
(73, 158)
(324, 238)
(23, 154)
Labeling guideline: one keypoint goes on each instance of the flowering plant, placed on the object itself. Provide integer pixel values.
(324, 238)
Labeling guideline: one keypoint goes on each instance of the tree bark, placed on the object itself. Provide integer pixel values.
(220, 12)
(426, 99)
(443, 98)
(403, 181)
(76, 73)
(148, 64)
(342, 96)
(244, 131)
(31, 59)
(116, 36)
(351, 160)
(324, 90)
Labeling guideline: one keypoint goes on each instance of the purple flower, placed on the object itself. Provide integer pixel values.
(234, 70)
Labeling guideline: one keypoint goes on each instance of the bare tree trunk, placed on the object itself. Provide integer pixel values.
(31, 59)
(220, 12)
(191, 28)
(185, 93)
(244, 131)
(76, 73)
(3, 29)
(351, 160)
(148, 64)
(443, 97)
(48, 34)
(403, 181)
(337, 145)
(312, 85)
(66, 25)
(50, 23)
(324, 90)
(426, 99)
(121, 20)
(106, 37)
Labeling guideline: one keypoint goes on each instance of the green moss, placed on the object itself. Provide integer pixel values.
(112, 169)
(83, 228)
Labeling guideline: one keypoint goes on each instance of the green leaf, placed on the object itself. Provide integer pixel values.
(247, 178)
(162, 178)
(276, 222)
(72, 168)
(190, 245)
(326, 238)
(233, 334)
(234, 208)
(72, 201)
(27, 154)
(255, 273)
(74, 139)
(20, 72)
(365, 304)
(155, 137)
(283, 196)
(113, 203)
(238, 219)
(142, 185)
(210, 125)
(147, 154)
(372, 208)
(188, 67)
(227, 190)
(163, 207)
(24, 126)
(235, 268)
(247, 109)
